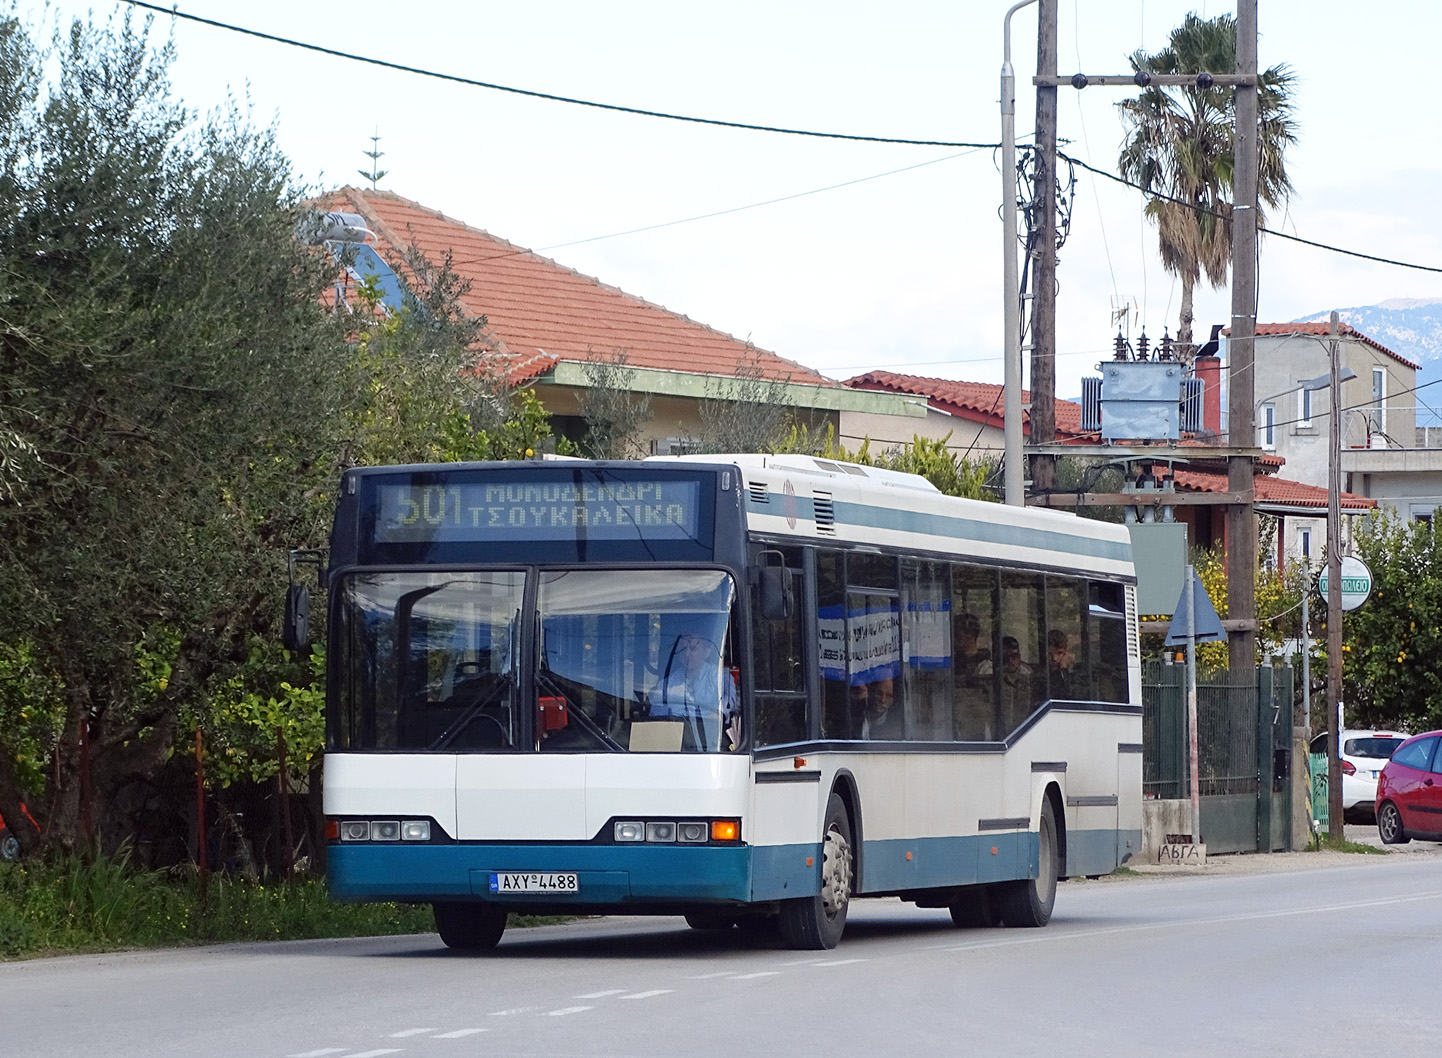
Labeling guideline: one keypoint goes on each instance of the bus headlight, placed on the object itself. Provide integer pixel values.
(693, 832)
(630, 832)
(385, 830)
(660, 831)
(355, 830)
(416, 830)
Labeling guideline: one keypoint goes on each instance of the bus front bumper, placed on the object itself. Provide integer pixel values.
(606, 874)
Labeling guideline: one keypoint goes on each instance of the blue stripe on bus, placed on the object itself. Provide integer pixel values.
(618, 874)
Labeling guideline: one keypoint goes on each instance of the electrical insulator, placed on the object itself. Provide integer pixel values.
(1166, 355)
(1142, 346)
(1121, 347)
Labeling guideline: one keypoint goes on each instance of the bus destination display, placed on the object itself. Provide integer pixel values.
(595, 509)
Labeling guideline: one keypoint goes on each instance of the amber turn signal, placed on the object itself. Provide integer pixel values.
(725, 830)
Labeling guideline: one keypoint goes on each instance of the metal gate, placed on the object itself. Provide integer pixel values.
(1243, 752)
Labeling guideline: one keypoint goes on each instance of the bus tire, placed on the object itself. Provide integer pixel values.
(816, 922)
(1028, 903)
(975, 909)
(472, 926)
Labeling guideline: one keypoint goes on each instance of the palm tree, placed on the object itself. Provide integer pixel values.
(1180, 145)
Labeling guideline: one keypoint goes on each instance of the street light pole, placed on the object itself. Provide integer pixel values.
(1014, 484)
(1334, 595)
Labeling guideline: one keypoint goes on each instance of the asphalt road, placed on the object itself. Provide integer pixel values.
(1331, 961)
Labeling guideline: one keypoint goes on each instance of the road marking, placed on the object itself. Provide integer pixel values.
(508, 1013)
(648, 995)
(602, 995)
(458, 1034)
(838, 962)
(567, 1010)
(318, 1053)
(375, 1053)
(708, 977)
(763, 973)
(410, 1032)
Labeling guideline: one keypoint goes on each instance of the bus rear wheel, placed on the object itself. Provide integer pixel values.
(1029, 903)
(470, 926)
(817, 922)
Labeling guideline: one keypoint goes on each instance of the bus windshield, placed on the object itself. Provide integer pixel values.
(623, 660)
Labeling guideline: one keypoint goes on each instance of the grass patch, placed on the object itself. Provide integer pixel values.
(1326, 843)
(73, 906)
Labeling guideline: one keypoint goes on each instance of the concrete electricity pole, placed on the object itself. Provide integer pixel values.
(1043, 249)
(1241, 352)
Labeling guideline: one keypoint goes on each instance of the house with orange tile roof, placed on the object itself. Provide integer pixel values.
(545, 322)
(1383, 455)
(970, 412)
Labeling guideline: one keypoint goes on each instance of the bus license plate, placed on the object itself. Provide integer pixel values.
(532, 882)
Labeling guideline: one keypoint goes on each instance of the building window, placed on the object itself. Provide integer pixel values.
(1379, 400)
(1267, 427)
(1304, 407)
(1304, 544)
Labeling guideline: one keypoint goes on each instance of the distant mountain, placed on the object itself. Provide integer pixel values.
(1410, 327)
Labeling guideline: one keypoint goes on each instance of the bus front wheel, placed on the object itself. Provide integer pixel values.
(1029, 903)
(470, 926)
(816, 922)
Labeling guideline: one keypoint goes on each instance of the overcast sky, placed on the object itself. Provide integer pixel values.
(898, 269)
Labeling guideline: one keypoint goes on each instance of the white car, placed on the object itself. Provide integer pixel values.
(1363, 754)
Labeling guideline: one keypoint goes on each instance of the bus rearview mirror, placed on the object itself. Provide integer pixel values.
(776, 600)
(296, 632)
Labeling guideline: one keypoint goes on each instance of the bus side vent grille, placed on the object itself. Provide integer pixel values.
(825, 513)
(759, 493)
(1134, 646)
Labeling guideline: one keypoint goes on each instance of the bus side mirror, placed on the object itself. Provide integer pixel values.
(296, 632)
(776, 596)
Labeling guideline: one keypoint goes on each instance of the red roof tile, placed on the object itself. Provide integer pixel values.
(539, 312)
(1267, 489)
(1323, 329)
(979, 401)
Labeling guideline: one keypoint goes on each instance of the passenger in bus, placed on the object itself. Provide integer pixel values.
(1059, 663)
(968, 654)
(880, 717)
(697, 688)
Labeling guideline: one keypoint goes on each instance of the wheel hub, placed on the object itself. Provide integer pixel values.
(835, 871)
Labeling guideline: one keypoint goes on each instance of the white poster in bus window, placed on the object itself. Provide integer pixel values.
(928, 635)
(871, 633)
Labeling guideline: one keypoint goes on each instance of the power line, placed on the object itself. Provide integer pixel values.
(1279, 234)
(614, 107)
(640, 112)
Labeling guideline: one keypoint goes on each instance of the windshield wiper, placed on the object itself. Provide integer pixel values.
(473, 711)
(587, 724)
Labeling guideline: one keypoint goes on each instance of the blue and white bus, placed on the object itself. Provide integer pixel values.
(734, 688)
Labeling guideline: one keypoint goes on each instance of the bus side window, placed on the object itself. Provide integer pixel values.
(1023, 650)
(974, 646)
(926, 650)
(836, 706)
(779, 676)
(1107, 642)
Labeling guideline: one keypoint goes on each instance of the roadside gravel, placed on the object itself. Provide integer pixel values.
(1258, 863)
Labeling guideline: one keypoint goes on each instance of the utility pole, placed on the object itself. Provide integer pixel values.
(1241, 352)
(1043, 250)
(1334, 594)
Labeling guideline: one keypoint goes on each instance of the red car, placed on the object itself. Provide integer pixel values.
(1409, 791)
